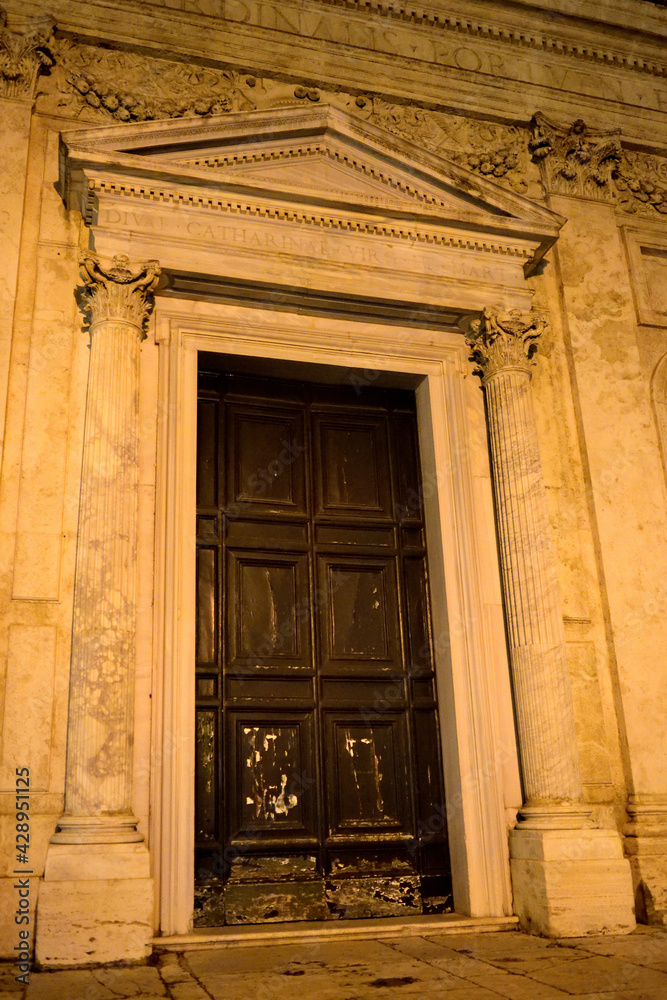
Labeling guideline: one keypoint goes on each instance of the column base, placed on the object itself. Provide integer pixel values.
(95, 905)
(646, 847)
(570, 883)
(97, 830)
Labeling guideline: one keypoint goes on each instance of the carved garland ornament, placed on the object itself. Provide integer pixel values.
(504, 340)
(127, 86)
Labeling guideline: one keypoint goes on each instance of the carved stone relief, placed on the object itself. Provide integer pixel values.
(591, 163)
(93, 84)
(24, 51)
(641, 183)
(575, 159)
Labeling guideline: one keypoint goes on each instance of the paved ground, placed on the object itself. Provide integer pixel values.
(487, 966)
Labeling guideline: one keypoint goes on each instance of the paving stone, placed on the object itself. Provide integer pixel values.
(442, 957)
(322, 986)
(132, 982)
(600, 974)
(507, 941)
(189, 991)
(643, 947)
(8, 983)
(514, 987)
(80, 984)
(649, 994)
(329, 954)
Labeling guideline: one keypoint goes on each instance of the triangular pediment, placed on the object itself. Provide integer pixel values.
(319, 157)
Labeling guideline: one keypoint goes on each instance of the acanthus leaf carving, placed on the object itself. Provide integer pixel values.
(575, 159)
(503, 340)
(119, 292)
(25, 50)
(122, 86)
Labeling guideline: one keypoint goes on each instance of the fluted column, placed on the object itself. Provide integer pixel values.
(101, 701)
(502, 344)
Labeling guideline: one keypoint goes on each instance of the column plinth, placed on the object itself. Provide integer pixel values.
(97, 866)
(555, 853)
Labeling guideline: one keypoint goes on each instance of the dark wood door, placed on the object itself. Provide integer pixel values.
(319, 787)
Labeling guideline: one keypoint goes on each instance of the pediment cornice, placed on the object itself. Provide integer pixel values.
(317, 165)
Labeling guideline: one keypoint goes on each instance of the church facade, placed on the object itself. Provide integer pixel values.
(333, 498)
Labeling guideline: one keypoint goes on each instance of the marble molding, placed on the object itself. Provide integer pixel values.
(567, 878)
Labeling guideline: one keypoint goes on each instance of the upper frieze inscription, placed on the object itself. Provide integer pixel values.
(476, 45)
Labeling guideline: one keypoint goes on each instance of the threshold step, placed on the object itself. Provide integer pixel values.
(378, 928)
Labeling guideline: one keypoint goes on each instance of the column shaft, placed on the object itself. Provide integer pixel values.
(98, 794)
(502, 345)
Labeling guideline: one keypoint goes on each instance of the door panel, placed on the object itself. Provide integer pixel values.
(358, 616)
(318, 775)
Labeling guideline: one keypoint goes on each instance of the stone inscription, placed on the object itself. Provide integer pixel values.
(334, 247)
(416, 42)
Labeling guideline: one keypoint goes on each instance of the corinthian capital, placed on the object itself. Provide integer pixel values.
(119, 292)
(504, 340)
(24, 51)
(575, 159)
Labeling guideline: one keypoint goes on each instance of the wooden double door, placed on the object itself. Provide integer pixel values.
(319, 789)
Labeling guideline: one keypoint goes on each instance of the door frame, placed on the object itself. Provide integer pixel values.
(475, 708)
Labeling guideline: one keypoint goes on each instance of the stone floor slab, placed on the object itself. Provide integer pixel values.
(132, 982)
(649, 949)
(600, 974)
(80, 984)
(442, 957)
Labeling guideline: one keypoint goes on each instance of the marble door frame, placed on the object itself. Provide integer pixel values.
(481, 768)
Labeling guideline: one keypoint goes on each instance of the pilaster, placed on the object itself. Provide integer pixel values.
(568, 877)
(598, 185)
(24, 52)
(97, 868)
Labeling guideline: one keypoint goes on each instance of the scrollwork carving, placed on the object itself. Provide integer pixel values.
(24, 51)
(591, 163)
(500, 341)
(117, 292)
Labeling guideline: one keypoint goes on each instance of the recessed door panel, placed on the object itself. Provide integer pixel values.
(267, 611)
(271, 775)
(266, 467)
(368, 779)
(318, 773)
(352, 466)
(359, 615)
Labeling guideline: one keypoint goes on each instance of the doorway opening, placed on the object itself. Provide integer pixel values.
(319, 790)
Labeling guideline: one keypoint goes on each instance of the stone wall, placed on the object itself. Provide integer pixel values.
(472, 85)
